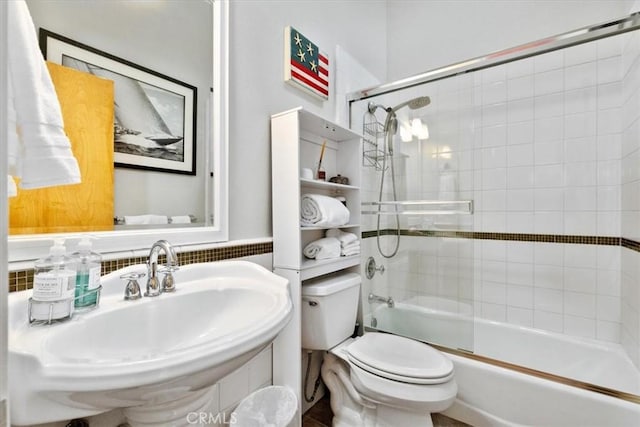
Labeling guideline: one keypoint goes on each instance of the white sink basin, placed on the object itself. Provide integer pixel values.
(143, 353)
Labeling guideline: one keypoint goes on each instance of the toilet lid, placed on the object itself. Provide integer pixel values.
(400, 359)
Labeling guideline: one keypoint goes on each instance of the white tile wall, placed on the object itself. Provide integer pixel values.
(629, 175)
(543, 147)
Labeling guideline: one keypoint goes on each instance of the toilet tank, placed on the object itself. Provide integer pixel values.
(329, 310)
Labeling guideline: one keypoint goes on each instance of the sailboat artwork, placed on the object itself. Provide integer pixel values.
(148, 119)
(155, 115)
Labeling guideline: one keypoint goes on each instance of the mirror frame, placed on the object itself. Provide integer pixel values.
(126, 242)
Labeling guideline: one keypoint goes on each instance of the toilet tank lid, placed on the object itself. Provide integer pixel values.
(330, 284)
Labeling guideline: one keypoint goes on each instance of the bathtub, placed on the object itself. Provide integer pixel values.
(520, 376)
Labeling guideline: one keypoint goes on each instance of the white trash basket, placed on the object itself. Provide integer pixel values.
(273, 406)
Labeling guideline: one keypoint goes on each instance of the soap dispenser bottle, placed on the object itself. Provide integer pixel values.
(88, 266)
(54, 283)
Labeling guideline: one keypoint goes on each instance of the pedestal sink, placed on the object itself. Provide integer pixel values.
(148, 355)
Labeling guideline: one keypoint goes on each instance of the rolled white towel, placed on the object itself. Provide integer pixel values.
(322, 211)
(328, 247)
(145, 219)
(344, 237)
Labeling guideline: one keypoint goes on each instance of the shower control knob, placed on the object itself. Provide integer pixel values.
(371, 268)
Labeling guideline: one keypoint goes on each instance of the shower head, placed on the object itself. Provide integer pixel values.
(414, 104)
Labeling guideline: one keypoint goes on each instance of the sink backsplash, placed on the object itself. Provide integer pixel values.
(21, 280)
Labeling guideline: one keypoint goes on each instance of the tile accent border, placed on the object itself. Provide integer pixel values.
(23, 279)
(519, 237)
(630, 244)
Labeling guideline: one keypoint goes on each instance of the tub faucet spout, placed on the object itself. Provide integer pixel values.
(376, 298)
(153, 285)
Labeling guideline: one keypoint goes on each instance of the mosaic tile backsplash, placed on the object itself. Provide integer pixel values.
(23, 279)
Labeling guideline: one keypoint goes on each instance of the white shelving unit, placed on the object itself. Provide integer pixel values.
(297, 137)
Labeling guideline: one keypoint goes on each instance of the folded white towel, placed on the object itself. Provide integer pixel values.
(350, 251)
(39, 151)
(328, 247)
(145, 219)
(322, 211)
(181, 219)
(352, 248)
(352, 245)
(344, 237)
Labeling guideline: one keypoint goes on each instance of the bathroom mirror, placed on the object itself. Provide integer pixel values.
(182, 40)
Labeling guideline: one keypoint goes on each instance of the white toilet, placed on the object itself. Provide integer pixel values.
(378, 379)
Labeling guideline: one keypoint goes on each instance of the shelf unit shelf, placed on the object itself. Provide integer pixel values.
(314, 183)
(307, 228)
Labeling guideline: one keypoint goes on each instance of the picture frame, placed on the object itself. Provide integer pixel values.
(155, 115)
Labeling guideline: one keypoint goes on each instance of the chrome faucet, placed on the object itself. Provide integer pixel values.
(168, 284)
(375, 298)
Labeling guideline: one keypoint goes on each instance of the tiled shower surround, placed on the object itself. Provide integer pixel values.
(548, 148)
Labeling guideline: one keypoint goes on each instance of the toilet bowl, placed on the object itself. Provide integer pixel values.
(377, 379)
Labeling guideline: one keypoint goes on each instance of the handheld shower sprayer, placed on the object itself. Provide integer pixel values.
(390, 129)
(391, 121)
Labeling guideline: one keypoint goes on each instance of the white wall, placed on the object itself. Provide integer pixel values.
(257, 89)
(423, 35)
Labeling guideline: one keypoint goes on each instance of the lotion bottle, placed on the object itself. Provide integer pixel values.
(88, 267)
(54, 284)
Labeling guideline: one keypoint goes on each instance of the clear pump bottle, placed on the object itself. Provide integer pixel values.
(88, 267)
(54, 284)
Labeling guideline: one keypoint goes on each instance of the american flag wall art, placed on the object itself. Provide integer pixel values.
(305, 65)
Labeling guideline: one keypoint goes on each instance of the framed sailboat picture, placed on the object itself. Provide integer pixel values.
(155, 115)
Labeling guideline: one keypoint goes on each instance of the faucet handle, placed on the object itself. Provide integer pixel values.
(132, 290)
(168, 282)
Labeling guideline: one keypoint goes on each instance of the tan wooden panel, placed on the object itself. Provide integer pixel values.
(87, 110)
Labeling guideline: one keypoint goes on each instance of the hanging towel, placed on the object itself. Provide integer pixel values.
(344, 237)
(145, 219)
(39, 150)
(322, 211)
(325, 248)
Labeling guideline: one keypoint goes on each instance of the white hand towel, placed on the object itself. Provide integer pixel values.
(42, 156)
(145, 219)
(344, 237)
(12, 191)
(328, 247)
(322, 211)
(181, 219)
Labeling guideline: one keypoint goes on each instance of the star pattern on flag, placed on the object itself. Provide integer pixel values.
(309, 67)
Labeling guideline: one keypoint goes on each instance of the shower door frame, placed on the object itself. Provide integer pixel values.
(523, 51)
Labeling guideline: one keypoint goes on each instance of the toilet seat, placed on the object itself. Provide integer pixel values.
(399, 359)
